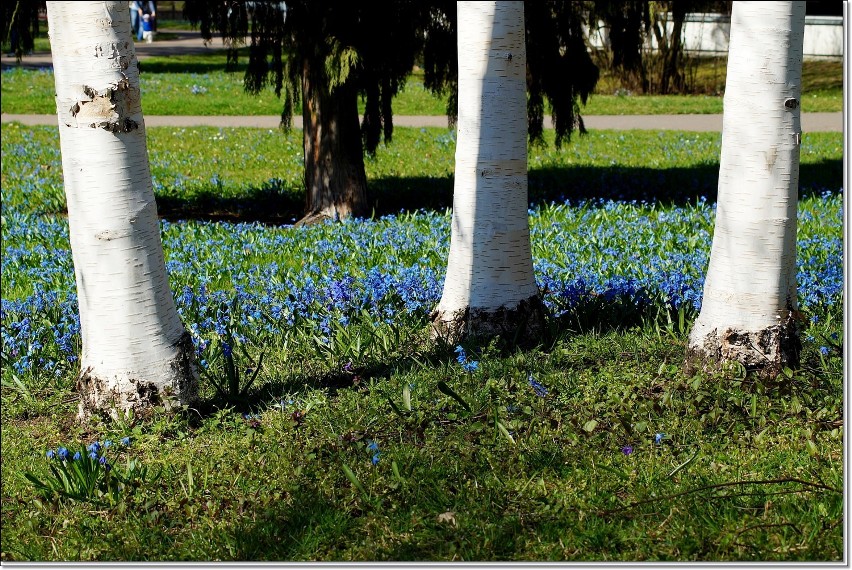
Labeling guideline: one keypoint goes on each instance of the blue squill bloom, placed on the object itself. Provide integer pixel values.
(540, 390)
(659, 437)
(77, 456)
(462, 357)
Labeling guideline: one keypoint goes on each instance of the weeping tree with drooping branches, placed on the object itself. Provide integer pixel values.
(323, 56)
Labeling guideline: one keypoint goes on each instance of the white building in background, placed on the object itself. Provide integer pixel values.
(708, 34)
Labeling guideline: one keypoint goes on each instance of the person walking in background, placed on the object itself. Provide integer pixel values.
(148, 28)
(135, 7)
(146, 9)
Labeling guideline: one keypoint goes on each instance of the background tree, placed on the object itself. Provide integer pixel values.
(749, 304)
(136, 351)
(328, 54)
(325, 55)
(490, 287)
(631, 25)
(21, 25)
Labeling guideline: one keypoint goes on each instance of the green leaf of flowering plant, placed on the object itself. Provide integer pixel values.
(443, 387)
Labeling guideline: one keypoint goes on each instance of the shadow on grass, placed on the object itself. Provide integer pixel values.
(317, 523)
(163, 65)
(293, 531)
(601, 314)
(392, 195)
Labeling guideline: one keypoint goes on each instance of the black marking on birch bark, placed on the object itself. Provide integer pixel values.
(791, 103)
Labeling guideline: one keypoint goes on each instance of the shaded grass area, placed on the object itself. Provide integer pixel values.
(256, 174)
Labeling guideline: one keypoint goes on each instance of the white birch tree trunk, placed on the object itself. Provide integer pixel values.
(136, 352)
(749, 305)
(490, 287)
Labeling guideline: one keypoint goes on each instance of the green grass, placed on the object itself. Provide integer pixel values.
(198, 85)
(761, 476)
(747, 471)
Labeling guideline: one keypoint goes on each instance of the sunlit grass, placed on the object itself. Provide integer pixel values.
(199, 85)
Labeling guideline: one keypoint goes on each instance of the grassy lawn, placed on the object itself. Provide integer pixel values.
(198, 85)
(361, 440)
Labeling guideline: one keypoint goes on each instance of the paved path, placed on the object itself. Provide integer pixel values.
(811, 122)
(187, 42)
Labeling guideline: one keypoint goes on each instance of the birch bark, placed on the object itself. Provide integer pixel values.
(136, 352)
(490, 287)
(749, 305)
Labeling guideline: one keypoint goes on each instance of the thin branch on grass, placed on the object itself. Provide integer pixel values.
(720, 486)
(768, 525)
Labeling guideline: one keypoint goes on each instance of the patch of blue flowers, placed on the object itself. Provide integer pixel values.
(392, 269)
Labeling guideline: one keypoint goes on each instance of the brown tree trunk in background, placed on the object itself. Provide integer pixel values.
(673, 78)
(335, 179)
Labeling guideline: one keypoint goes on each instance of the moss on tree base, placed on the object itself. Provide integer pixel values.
(522, 324)
(764, 352)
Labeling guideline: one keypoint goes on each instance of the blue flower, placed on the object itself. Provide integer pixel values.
(125, 441)
(375, 459)
(102, 460)
(94, 447)
(627, 449)
(93, 455)
(62, 453)
(540, 390)
(77, 456)
(470, 366)
(50, 454)
(107, 443)
(462, 357)
(372, 446)
(824, 350)
(658, 438)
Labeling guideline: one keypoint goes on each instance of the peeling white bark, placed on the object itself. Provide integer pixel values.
(136, 352)
(490, 287)
(750, 289)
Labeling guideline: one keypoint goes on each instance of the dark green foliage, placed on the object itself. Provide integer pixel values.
(365, 49)
(558, 67)
(374, 45)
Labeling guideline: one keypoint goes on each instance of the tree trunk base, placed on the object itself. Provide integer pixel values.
(116, 397)
(523, 324)
(763, 352)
